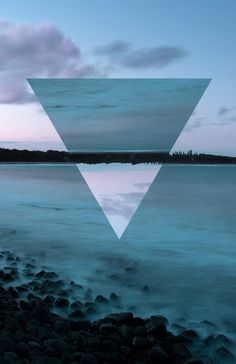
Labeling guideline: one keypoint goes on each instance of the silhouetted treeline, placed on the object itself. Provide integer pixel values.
(14, 155)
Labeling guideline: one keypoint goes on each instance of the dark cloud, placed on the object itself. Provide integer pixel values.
(224, 116)
(122, 54)
(196, 123)
(35, 51)
(227, 115)
(223, 111)
(113, 49)
(154, 57)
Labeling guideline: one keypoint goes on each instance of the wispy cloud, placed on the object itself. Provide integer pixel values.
(197, 122)
(224, 116)
(121, 53)
(35, 51)
(223, 111)
(114, 48)
(227, 115)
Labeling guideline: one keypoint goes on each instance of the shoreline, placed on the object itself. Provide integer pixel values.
(53, 156)
(45, 319)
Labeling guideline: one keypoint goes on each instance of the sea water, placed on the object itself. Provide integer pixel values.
(181, 242)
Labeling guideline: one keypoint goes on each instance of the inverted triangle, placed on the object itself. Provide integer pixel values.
(98, 115)
(119, 189)
(116, 115)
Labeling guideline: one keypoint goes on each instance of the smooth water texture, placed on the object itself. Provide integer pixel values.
(119, 114)
(181, 242)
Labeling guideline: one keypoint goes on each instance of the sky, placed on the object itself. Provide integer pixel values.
(123, 39)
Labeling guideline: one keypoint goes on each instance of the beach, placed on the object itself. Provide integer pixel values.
(45, 319)
(175, 262)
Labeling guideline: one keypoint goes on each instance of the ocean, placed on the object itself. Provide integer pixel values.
(177, 256)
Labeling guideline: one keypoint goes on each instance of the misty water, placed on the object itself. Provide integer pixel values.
(181, 242)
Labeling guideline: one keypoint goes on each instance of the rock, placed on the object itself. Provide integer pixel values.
(33, 298)
(107, 329)
(90, 304)
(22, 349)
(22, 288)
(49, 299)
(76, 286)
(182, 351)
(77, 337)
(158, 354)
(140, 331)
(11, 358)
(125, 350)
(51, 287)
(42, 314)
(11, 324)
(13, 292)
(27, 273)
(88, 295)
(208, 323)
(6, 344)
(77, 305)
(93, 343)
(121, 318)
(60, 326)
(217, 340)
(45, 333)
(80, 325)
(58, 346)
(88, 359)
(77, 314)
(101, 299)
(190, 335)
(76, 357)
(223, 355)
(109, 346)
(34, 345)
(156, 326)
(138, 321)
(126, 332)
(51, 275)
(40, 274)
(145, 289)
(90, 311)
(51, 361)
(8, 277)
(2, 290)
(160, 318)
(36, 354)
(27, 306)
(62, 302)
(140, 342)
(21, 317)
(114, 298)
(117, 357)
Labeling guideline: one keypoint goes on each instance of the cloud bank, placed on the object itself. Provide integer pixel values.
(35, 51)
(121, 53)
(43, 51)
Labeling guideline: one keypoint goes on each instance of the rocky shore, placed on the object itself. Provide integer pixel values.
(45, 319)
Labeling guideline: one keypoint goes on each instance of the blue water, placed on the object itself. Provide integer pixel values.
(119, 114)
(181, 241)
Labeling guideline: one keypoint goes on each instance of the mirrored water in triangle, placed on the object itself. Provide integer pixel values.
(119, 189)
(98, 115)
